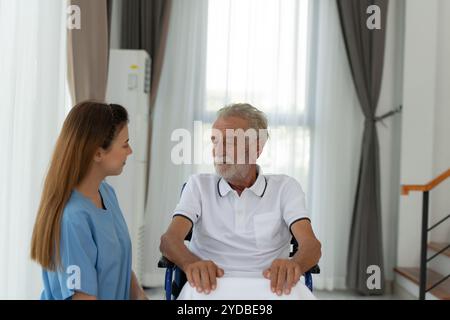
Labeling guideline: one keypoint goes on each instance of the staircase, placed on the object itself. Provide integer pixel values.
(432, 279)
(409, 278)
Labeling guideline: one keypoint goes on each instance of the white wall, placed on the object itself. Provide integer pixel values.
(440, 198)
(425, 128)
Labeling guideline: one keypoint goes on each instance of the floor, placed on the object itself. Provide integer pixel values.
(158, 294)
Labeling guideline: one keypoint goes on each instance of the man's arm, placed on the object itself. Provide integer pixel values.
(172, 243)
(310, 249)
(285, 273)
(201, 274)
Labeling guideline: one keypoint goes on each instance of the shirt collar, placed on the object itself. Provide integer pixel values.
(258, 188)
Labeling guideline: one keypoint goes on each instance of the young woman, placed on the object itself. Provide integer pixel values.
(80, 237)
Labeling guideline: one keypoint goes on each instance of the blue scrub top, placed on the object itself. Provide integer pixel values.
(95, 250)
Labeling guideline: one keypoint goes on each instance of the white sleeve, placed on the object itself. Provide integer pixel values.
(293, 202)
(189, 205)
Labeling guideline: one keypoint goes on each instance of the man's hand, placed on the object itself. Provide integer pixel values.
(283, 274)
(202, 275)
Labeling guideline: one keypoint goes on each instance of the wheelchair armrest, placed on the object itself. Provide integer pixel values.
(165, 263)
(314, 270)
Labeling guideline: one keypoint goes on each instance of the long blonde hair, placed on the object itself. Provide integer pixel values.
(88, 126)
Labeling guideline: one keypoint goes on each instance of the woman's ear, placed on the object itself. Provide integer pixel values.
(98, 155)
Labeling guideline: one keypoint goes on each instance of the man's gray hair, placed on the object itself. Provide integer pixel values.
(256, 118)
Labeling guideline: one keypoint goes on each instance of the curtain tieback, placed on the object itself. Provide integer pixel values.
(387, 115)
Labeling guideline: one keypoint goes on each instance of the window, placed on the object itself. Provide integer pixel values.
(257, 53)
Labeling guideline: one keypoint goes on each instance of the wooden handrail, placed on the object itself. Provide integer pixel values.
(425, 187)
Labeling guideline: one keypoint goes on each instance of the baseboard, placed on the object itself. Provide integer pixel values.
(153, 280)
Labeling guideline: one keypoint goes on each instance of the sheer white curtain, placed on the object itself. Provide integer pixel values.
(181, 92)
(337, 134)
(32, 109)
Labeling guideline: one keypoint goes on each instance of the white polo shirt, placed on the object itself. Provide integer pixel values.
(246, 233)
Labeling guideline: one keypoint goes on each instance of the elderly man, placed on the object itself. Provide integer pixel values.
(242, 220)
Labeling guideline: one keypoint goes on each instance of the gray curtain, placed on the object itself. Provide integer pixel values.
(88, 52)
(109, 9)
(145, 26)
(365, 51)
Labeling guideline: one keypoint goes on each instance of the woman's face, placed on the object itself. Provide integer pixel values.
(113, 160)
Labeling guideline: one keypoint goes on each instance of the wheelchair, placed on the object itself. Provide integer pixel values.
(175, 278)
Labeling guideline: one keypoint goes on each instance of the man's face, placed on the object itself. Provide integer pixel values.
(234, 147)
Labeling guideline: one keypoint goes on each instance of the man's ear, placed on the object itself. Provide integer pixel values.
(263, 136)
(260, 146)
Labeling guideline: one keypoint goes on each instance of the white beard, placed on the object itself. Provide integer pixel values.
(232, 171)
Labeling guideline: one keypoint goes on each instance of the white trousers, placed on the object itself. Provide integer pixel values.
(245, 288)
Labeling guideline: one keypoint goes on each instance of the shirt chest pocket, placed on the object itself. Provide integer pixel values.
(267, 228)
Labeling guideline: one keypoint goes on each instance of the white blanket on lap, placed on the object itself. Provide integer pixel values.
(233, 287)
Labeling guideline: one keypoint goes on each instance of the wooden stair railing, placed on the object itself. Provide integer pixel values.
(425, 189)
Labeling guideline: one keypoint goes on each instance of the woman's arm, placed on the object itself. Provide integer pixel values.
(83, 296)
(137, 293)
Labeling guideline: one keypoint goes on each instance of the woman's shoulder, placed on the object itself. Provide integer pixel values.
(104, 184)
(109, 190)
(75, 210)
